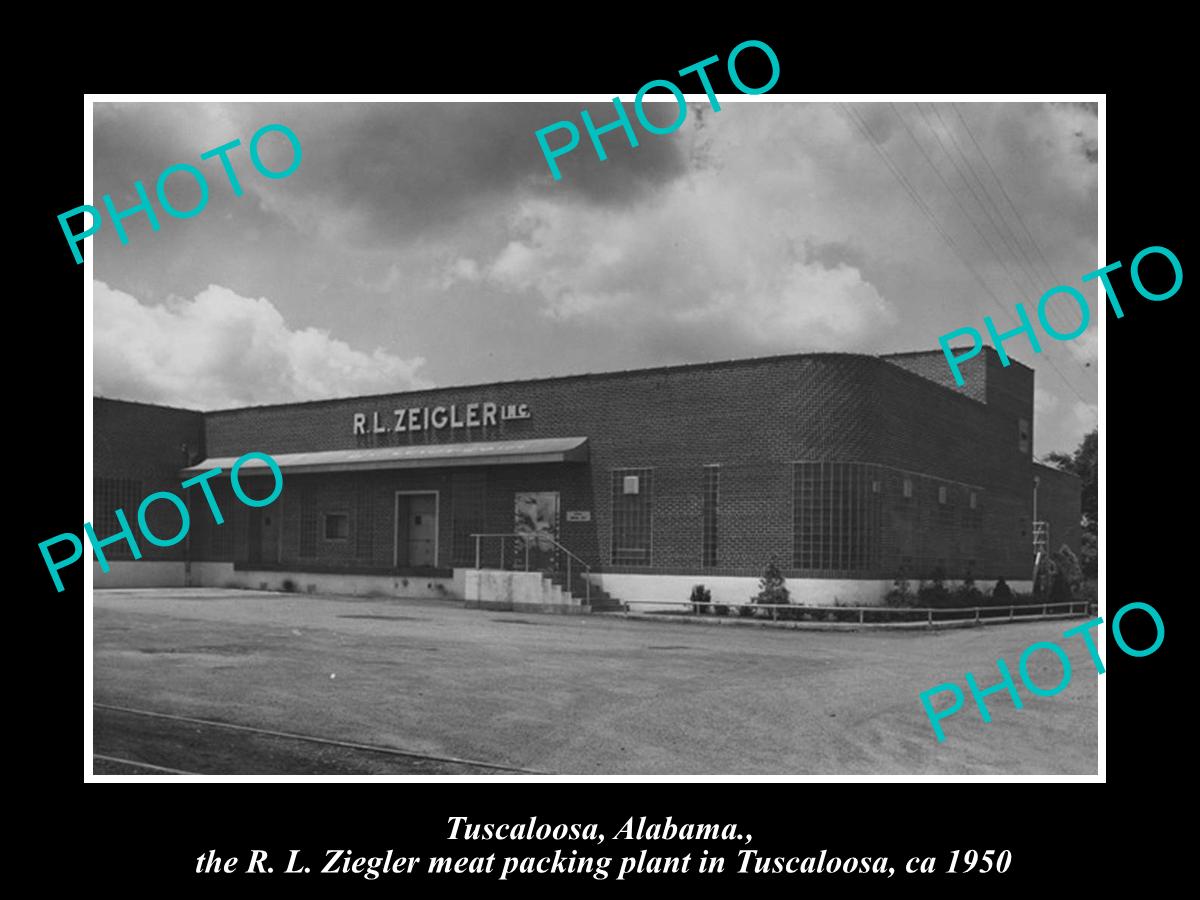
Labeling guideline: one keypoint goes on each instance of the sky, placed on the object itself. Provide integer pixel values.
(427, 244)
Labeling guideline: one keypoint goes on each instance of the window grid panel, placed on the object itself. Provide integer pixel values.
(711, 489)
(836, 516)
(631, 518)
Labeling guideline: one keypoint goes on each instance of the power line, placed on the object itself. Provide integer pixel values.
(1000, 184)
(1031, 278)
(924, 207)
(954, 196)
(1049, 271)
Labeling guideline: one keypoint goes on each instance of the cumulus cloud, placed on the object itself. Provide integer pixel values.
(727, 261)
(1061, 417)
(221, 349)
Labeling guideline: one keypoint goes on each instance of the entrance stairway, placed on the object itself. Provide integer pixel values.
(600, 600)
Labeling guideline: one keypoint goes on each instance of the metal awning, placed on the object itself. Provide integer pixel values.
(425, 456)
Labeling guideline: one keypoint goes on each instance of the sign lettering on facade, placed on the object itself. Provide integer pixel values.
(579, 515)
(436, 418)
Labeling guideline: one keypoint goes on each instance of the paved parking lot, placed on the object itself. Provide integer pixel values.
(471, 691)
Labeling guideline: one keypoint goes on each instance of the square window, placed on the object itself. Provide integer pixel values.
(908, 487)
(942, 494)
(631, 484)
(337, 526)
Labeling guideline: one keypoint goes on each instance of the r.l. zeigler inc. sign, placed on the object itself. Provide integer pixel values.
(435, 418)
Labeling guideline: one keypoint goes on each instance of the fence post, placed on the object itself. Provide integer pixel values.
(1012, 613)
(977, 615)
(502, 542)
(861, 613)
(1045, 606)
(929, 613)
(476, 551)
(526, 554)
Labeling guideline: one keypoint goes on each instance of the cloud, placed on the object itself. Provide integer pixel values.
(220, 349)
(715, 263)
(1065, 419)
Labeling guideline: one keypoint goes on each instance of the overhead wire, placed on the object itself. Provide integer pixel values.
(863, 128)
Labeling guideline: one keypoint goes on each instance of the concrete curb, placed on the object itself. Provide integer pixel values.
(835, 626)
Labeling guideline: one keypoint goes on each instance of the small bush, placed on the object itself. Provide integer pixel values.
(701, 597)
(289, 585)
(933, 593)
(1002, 594)
(720, 609)
(967, 594)
(771, 591)
(901, 594)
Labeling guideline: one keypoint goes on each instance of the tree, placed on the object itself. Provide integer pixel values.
(1083, 463)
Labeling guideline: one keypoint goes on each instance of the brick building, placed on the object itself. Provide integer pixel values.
(848, 470)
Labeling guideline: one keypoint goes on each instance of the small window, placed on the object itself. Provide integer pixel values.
(942, 494)
(974, 500)
(1023, 435)
(876, 487)
(631, 484)
(907, 487)
(337, 526)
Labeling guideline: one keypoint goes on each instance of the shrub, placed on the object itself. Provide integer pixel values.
(901, 594)
(933, 593)
(720, 609)
(700, 599)
(771, 589)
(1072, 570)
(967, 594)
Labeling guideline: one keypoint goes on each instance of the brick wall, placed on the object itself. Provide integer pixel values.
(753, 417)
(1059, 503)
(138, 449)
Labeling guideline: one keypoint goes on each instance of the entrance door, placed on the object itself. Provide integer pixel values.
(262, 536)
(270, 535)
(416, 529)
(536, 514)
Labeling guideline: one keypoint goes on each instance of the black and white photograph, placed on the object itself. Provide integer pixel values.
(714, 435)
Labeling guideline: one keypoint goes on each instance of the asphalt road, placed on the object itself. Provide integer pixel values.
(569, 695)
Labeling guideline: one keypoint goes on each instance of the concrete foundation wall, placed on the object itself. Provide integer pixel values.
(139, 574)
(215, 574)
(672, 590)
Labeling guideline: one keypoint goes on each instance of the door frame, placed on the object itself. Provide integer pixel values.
(437, 527)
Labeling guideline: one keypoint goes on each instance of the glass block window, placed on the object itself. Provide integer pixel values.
(836, 516)
(908, 488)
(631, 516)
(109, 495)
(711, 489)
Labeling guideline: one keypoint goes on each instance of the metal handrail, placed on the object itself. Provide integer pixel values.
(1086, 607)
(528, 537)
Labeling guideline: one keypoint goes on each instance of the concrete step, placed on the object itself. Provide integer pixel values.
(598, 598)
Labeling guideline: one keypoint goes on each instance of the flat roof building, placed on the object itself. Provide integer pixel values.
(848, 470)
